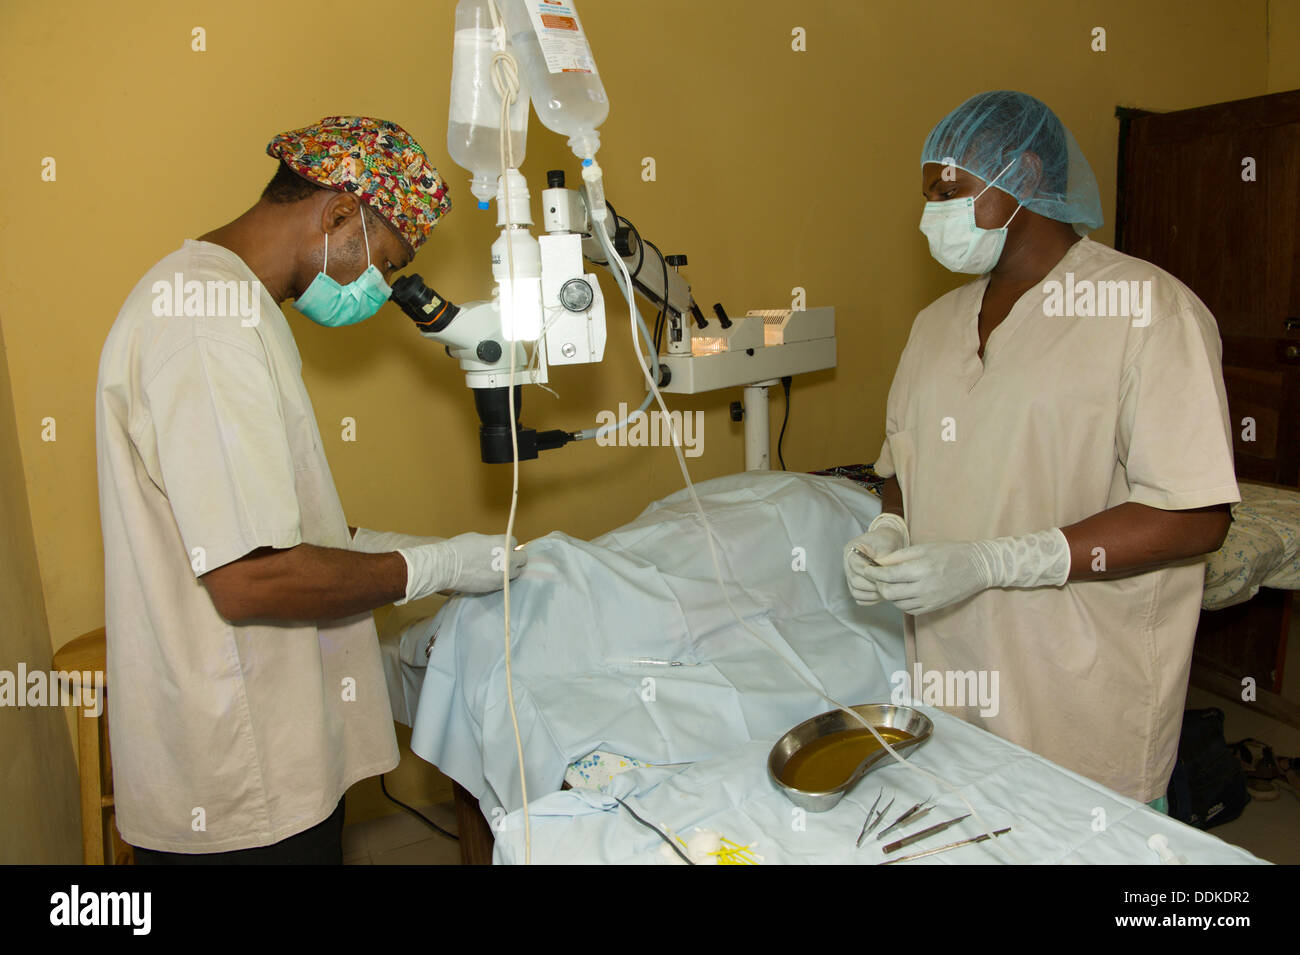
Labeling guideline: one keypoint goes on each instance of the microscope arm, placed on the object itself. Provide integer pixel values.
(565, 210)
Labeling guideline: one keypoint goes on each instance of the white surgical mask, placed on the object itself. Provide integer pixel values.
(956, 242)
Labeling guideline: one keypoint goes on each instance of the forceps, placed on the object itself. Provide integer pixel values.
(913, 814)
(872, 823)
(865, 556)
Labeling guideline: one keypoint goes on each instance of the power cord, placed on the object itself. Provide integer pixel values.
(415, 812)
(785, 383)
(656, 830)
(661, 318)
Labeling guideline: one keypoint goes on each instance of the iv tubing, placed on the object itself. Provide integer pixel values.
(717, 568)
(505, 77)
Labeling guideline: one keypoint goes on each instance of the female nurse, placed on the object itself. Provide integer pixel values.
(1058, 457)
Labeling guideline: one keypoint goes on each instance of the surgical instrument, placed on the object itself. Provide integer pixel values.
(649, 662)
(924, 833)
(870, 812)
(916, 812)
(875, 822)
(865, 556)
(952, 845)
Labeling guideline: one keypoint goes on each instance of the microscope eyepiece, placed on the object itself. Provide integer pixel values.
(429, 310)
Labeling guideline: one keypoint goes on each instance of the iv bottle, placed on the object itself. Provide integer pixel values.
(474, 121)
(553, 51)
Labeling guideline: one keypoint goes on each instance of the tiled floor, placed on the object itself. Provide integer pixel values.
(401, 839)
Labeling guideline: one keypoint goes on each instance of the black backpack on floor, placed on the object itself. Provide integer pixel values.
(1208, 786)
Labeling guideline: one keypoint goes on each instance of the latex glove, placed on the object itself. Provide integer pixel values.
(471, 563)
(385, 542)
(928, 577)
(886, 534)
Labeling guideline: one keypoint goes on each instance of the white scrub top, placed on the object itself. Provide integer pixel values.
(223, 737)
(1066, 416)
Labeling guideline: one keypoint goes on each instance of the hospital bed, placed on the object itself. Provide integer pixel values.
(633, 680)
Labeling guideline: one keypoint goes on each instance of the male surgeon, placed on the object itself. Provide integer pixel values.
(247, 689)
(1059, 458)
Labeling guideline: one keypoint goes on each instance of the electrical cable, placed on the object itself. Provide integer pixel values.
(590, 433)
(415, 812)
(661, 318)
(640, 261)
(640, 246)
(785, 384)
(656, 830)
(628, 293)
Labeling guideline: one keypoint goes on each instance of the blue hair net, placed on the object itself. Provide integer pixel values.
(994, 130)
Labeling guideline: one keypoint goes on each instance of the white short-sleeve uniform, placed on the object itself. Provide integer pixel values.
(224, 737)
(1066, 416)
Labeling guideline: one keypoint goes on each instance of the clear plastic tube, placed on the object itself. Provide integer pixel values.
(630, 294)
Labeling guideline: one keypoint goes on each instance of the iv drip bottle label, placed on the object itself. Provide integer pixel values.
(559, 31)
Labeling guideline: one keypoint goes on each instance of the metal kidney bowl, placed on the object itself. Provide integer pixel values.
(879, 715)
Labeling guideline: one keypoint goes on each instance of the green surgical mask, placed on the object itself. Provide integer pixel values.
(327, 303)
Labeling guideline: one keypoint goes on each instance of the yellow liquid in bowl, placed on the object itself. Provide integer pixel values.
(826, 763)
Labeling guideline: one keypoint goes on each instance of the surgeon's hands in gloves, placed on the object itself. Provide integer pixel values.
(470, 563)
(886, 534)
(929, 577)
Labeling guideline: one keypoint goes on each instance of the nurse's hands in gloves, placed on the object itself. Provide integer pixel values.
(886, 534)
(929, 577)
(470, 563)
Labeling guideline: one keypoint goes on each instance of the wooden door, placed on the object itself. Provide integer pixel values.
(1212, 195)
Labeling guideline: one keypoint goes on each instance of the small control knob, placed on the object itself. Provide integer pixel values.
(623, 241)
(576, 295)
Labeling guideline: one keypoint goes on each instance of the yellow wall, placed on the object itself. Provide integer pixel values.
(775, 169)
(39, 813)
(1283, 45)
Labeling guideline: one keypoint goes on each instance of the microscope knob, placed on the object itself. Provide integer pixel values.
(675, 261)
(555, 179)
(488, 351)
(576, 295)
(623, 241)
(737, 411)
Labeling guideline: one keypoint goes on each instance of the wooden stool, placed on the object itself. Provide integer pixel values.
(94, 761)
